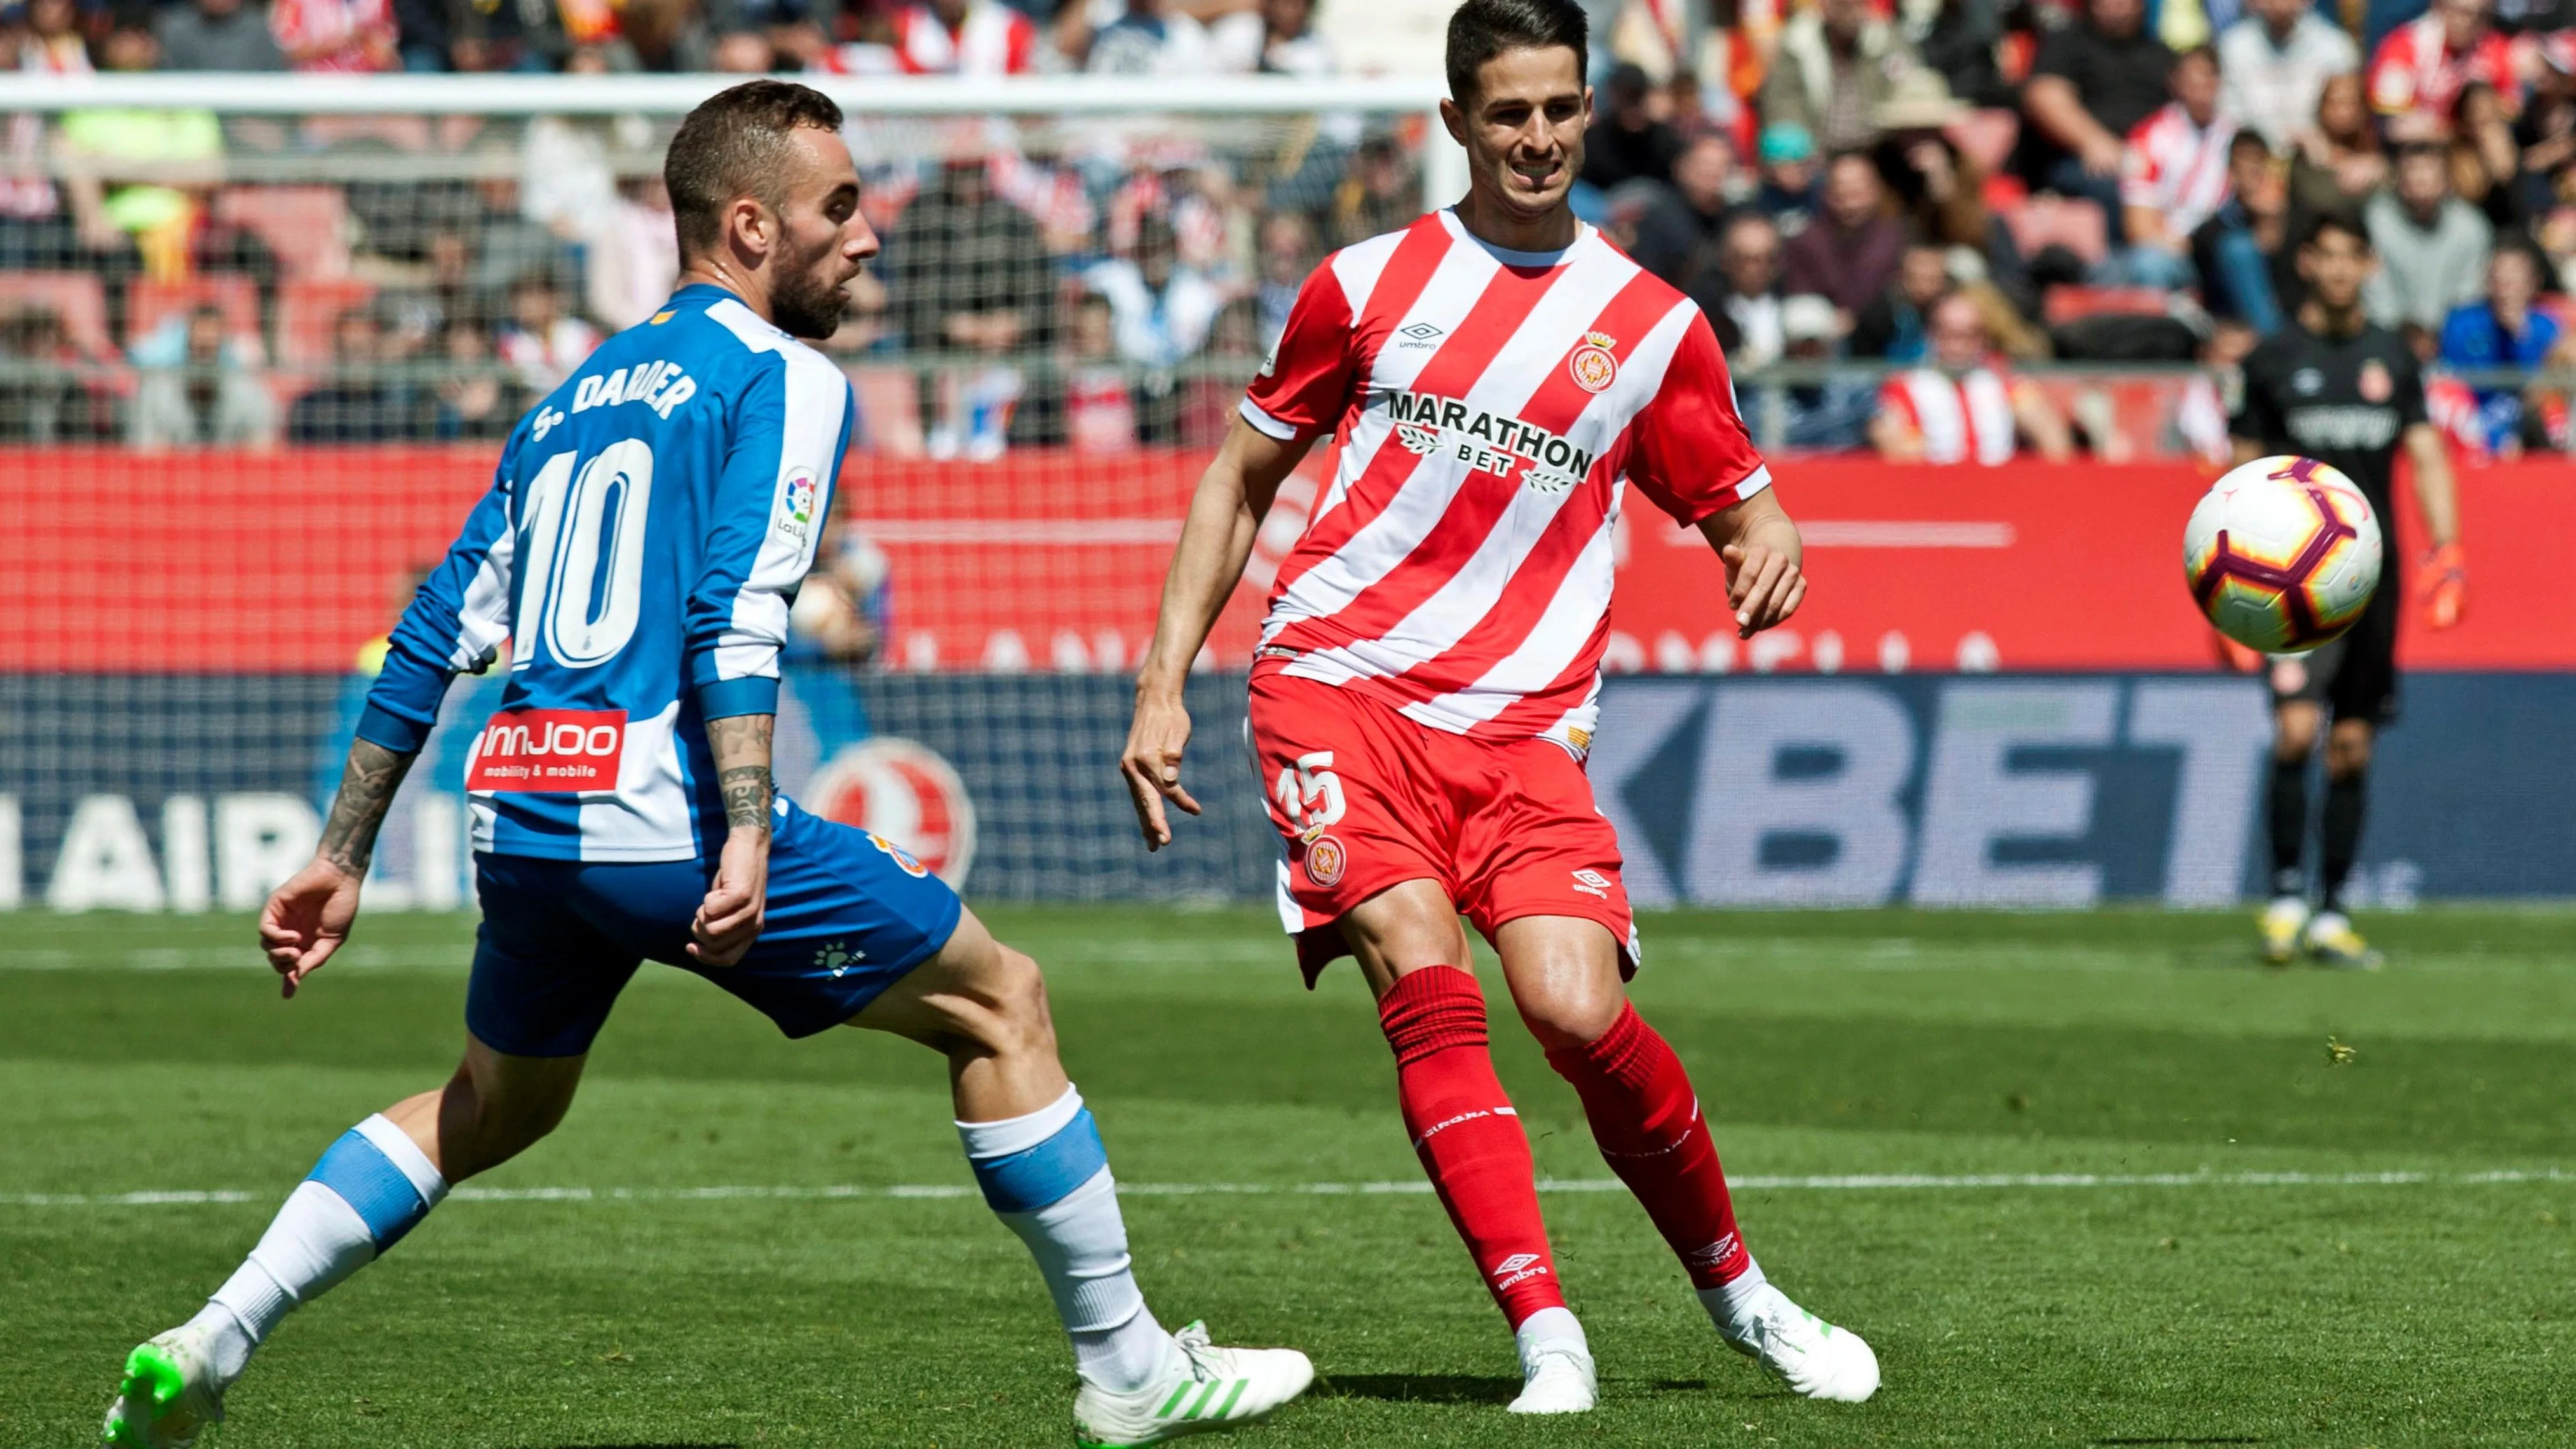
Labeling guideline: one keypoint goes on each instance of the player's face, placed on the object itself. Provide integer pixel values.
(1523, 128)
(2336, 264)
(822, 241)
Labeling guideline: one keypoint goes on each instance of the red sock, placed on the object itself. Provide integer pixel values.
(1646, 1119)
(1468, 1135)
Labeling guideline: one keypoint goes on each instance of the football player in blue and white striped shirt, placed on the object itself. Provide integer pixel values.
(646, 529)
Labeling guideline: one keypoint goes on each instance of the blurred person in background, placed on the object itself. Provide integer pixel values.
(542, 341)
(43, 398)
(2502, 330)
(49, 36)
(2546, 129)
(634, 255)
(1894, 325)
(357, 404)
(798, 32)
(2419, 69)
(1848, 254)
(208, 396)
(2197, 425)
(1682, 220)
(2337, 163)
(2432, 246)
(1939, 190)
(2175, 177)
(1381, 193)
(2273, 65)
(1962, 407)
(742, 51)
(1149, 37)
(967, 273)
(1627, 139)
(1161, 311)
(2486, 165)
(1828, 416)
(964, 37)
(476, 400)
(1790, 184)
(2248, 269)
(1273, 37)
(1741, 295)
(1962, 43)
(336, 35)
(1287, 254)
(226, 35)
(1837, 64)
(2094, 81)
(1099, 406)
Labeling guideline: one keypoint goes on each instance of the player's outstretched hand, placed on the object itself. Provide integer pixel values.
(1152, 765)
(306, 919)
(1764, 586)
(730, 918)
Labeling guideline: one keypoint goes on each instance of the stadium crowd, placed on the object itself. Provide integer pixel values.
(1942, 190)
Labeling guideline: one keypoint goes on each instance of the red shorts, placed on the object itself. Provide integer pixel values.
(1366, 799)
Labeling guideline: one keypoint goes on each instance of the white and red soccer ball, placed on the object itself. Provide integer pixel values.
(2282, 554)
(906, 796)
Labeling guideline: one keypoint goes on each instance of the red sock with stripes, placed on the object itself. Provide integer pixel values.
(1645, 1117)
(1468, 1135)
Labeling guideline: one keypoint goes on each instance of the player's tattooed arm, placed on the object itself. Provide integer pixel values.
(367, 785)
(740, 744)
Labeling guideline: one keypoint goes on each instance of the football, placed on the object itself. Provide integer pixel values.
(2281, 554)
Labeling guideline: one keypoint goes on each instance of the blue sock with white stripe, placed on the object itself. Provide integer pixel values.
(1047, 1176)
(370, 1188)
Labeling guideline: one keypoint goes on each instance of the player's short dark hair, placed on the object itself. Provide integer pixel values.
(1482, 29)
(2343, 221)
(735, 144)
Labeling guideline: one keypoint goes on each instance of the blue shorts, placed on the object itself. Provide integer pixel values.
(848, 915)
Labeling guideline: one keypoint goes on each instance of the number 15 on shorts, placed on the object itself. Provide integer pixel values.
(1309, 794)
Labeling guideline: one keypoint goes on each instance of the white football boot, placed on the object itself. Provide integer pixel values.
(2331, 941)
(1207, 1390)
(2282, 923)
(1805, 1352)
(1557, 1377)
(169, 1395)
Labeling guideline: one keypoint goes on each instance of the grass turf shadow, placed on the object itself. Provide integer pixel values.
(1420, 1388)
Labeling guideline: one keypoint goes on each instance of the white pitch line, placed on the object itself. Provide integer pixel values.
(1983, 1181)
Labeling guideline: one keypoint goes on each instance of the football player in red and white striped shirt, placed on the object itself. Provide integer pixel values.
(1424, 692)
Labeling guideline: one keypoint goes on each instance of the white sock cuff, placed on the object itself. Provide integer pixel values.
(1550, 1325)
(405, 1154)
(254, 1298)
(1019, 1134)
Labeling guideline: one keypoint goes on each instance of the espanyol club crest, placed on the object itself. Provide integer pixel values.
(906, 798)
(1593, 365)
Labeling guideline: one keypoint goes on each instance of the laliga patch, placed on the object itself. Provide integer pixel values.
(547, 749)
(1325, 861)
(796, 503)
(900, 856)
(1594, 366)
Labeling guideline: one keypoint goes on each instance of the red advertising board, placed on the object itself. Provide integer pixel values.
(112, 561)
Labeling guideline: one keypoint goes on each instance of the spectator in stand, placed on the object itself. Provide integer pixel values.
(475, 400)
(358, 404)
(1836, 65)
(137, 179)
(742, 51)
(634, 255)
(2248, 270)
(964, 37)
(1161, 313)
(1828, 416)
(2546, 130)
(798, 32)
(2419, 70)
(542, 341)
(2274, 63)
(207, 396)
(2198, 423)
(52, 42)
(2486, 165)
(42, 399)
(1963, 44)
(1892, 327)
(2093, 82)
(2176, 176)
(335, 35)
(1099, 407)
(1939, 190)
(1150, 37)
(1627, 139)
(1380, 194)
(1741, 295)
(225, 35)
(2432, 246)
(967, 273)
(2502, 330)
(1790, 182)
(1849, 254)
(2337, 164)
(1682, 220)
(1963, 408)
(1287, 256)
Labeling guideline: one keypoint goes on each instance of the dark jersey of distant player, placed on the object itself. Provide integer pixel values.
(2344, 402)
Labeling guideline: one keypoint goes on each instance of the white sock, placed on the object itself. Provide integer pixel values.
(1548, 1328)
(1047, 1178)
(369, 1189)
(1735, 1305)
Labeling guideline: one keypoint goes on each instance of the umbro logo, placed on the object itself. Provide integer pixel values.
(1420, 334)
(1514, 1263)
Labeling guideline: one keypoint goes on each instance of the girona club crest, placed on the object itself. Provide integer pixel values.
(1325, 861)
(904, 795)
(1594, 366)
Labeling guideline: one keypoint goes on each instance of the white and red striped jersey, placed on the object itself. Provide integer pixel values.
(994, 39)
(1965, 419)
(1493, 407)
(334, 35)
(2178, 167)
(2416, 67)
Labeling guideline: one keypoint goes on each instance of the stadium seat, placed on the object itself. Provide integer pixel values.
(890, 409)
(2065, 304)
(148, 303)
(75, 297)
(1985, 137)
(2075, 224)
(307, 226)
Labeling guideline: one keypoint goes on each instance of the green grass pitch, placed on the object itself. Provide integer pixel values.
(2434, 1308)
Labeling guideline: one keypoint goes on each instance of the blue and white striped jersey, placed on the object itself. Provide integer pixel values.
(646, 529)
